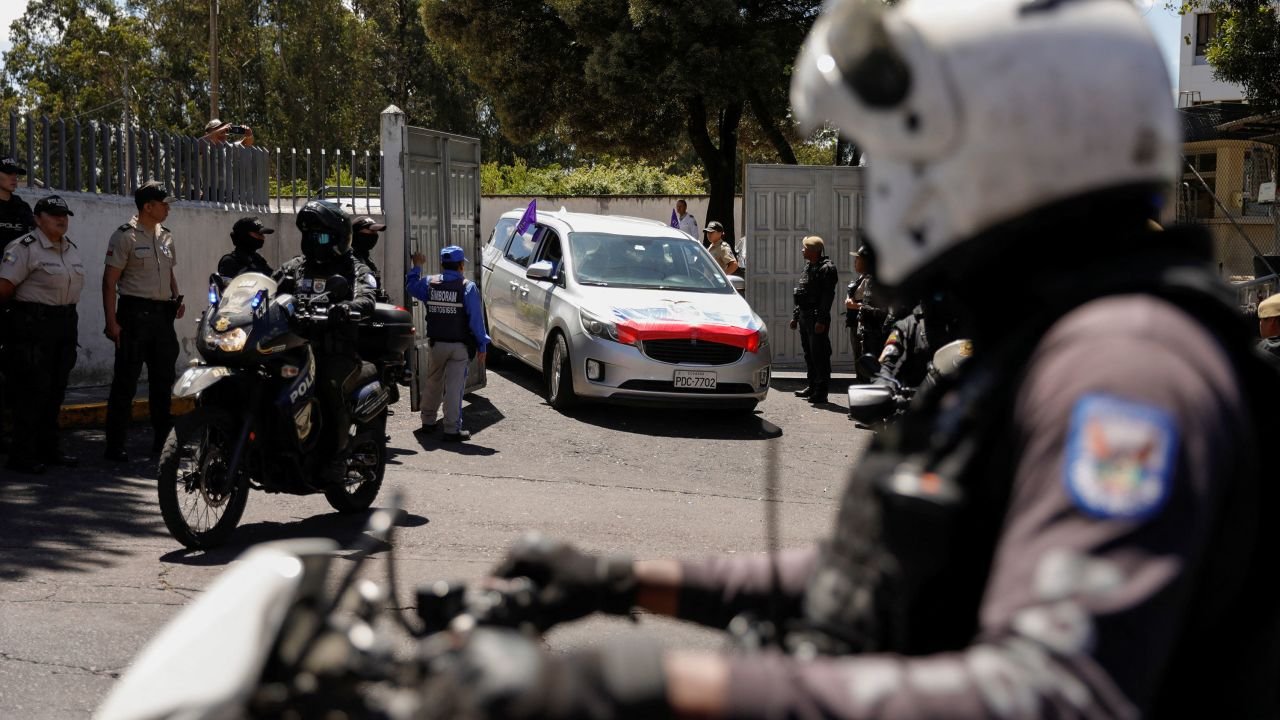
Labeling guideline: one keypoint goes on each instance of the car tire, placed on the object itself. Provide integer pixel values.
(559, 375)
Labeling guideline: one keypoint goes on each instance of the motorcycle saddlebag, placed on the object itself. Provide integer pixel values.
(387, 334)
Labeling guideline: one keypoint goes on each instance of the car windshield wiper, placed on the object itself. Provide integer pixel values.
(597, 283)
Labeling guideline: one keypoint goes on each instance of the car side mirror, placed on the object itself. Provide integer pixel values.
(541, 270)
(738, 283)
(338, 288)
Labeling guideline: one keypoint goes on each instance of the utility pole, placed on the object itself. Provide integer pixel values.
(213, 59)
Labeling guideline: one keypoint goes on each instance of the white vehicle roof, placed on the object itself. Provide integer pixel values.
(614, 224)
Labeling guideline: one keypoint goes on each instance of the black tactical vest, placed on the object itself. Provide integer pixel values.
(446, 315)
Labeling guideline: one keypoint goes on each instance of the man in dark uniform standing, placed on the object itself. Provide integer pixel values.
(1269, 325)
(248, 236)
(41, 276)
(16, 220)
(812, 314)
(1078, 522)
(326, 252)
(862, 316)
(141, 300)
(364, 237)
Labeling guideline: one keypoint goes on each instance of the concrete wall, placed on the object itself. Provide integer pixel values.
(656, 207)
(201, 234)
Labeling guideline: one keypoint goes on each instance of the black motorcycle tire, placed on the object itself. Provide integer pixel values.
(347, 500)
(214, 426)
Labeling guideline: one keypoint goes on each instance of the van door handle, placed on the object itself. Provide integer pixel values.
(524, 291)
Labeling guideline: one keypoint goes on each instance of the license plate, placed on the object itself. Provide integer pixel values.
(695, 380)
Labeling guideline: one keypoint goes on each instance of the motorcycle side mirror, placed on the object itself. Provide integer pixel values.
(871, 403)
(339, 289)
(217, 284)
(951, 356)
(868, 365)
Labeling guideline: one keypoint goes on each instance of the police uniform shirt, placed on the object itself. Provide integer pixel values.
(16, 219)
(146, 261)
(1128, 426)
(689, 224)
(723, 255)
(43, 272)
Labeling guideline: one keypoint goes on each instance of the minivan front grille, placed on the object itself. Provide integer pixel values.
(691, 352)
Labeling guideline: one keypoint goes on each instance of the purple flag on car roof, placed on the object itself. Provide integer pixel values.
(530, 217)
(675, 221)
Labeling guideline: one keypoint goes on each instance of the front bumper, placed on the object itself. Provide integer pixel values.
(627, 375)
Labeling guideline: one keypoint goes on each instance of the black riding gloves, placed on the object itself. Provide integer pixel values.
(571, 583)
(501, 673)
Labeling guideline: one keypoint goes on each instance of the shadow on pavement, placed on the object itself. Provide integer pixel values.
(432, 442)
(345, 529)
(74, 519)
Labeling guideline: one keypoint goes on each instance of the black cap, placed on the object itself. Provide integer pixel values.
(52, 205)
(367, 224)
(151, 191)
(10, 166)
(863, 251)
(714, 225)
(246, 225)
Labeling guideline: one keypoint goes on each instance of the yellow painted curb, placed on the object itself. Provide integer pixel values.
(95, 414)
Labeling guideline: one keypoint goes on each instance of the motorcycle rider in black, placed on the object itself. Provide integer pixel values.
(248, 236)
(914, 339)
(326, 252)
(364, 236)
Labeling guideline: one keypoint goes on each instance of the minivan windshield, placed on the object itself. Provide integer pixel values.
(644, 262)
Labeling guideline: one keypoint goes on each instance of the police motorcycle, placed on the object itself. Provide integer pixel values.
(885, 398)
(283, 634)
(258, 419)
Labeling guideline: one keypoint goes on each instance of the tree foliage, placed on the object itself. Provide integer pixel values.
(1246, 48)
(611, 177)
(648, 78)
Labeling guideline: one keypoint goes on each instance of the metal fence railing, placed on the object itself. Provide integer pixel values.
(1228, 187)
(108, 159)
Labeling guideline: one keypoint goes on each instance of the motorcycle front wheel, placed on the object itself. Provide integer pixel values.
(365, 468)
(200, 504)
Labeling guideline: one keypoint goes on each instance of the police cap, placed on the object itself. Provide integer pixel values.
(10, 166)
(367, 224)
(1269, 308)
(246, 225)
(714, 226)
(52, 205)
(452, 254)
(150, 191)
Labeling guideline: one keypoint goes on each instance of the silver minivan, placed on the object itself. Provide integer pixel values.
(622, 309)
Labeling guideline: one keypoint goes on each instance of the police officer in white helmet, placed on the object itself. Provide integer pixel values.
(1075, 524)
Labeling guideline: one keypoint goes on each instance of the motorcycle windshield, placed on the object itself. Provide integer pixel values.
(236, 305)
(207, 661)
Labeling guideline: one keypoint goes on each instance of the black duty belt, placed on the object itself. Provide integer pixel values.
(43, 310)
(144, 305)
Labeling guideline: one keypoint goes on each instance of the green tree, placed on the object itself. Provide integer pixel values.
(650, 78)
(1246, 48)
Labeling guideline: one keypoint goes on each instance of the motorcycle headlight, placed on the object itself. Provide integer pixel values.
(231, 341)
(598, 327)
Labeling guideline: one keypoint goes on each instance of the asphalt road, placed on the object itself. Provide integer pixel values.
(88, 573)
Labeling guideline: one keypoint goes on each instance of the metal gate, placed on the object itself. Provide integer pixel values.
(432, 191)
(783, 204)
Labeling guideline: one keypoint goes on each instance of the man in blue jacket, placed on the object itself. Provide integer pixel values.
(455, 331)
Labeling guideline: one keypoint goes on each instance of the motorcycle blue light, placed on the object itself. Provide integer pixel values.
(213, 294)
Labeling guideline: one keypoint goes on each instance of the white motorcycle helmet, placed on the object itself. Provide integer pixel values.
(977, 112)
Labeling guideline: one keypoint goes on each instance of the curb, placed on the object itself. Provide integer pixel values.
(87, 415)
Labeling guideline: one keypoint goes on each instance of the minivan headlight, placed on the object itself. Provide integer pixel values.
(596, 326)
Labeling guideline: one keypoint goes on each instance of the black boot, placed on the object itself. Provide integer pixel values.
(804, 393)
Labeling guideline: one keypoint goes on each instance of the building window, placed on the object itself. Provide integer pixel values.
(1206, 29)
(1197, 198)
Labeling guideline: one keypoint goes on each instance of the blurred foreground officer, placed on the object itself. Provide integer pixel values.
(16, 220)
(812, 314)
(1269, 325)
(41, 276)
(1077, 523)
(455, 329)
(140, 261)
(248, 235)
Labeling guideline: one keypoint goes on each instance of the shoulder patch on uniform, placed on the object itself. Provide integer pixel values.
(1120, 457)
(124, 227)
(9, 257)
(370, 280)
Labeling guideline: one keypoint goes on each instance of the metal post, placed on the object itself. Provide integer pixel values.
(293, 178)
(106, 158)
(352, 166)
(31, 175)
(93, 161)
(170, 178)
(394, 147)
(62, 156)
(324, 176)
(44, 152)
(144, 156)
(75, 160)
(308, 159)
(368, 182)
(213, 59)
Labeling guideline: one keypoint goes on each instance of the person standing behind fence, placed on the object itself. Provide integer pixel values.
(16, 220)
(455, 329)
(41, 276)
(140, 262)
(248, 235)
